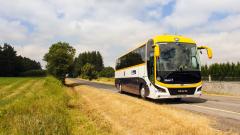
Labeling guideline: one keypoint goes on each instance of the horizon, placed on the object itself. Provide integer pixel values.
(114, 27)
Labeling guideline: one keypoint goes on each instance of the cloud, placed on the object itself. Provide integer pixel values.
(113, 27)
(194, 13)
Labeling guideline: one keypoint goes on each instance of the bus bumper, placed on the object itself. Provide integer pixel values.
(163, 95)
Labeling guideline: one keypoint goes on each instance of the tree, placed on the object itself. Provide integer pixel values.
(88, 72)
(8, 59)
(107, 72)
(94, 58)
(222, 71)
(59, 59)
(13, 65)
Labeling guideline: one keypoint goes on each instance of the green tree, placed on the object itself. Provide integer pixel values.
(59, 59)
(94, 58)
(107, 72)
(222, 71)
(8, 60)
(88, 72)
(13, 65)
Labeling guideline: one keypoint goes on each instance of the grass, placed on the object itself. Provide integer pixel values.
(106, 80)
(33, 106)
(86, 121)
(39, 106)
(119, 114)
(103, 80)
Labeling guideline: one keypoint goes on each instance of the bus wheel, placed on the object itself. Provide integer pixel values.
(120, 88)
(143, 92)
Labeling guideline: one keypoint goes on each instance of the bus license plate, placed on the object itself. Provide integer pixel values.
(181, 96)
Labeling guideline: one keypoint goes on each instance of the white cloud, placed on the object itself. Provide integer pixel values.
(113, 27)
(8, 30)
(190, 13)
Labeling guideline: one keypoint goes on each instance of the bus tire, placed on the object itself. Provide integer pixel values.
(120, 88)
(143, 92)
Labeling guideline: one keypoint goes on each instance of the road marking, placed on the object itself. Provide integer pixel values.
(215, 109)
(228, 96)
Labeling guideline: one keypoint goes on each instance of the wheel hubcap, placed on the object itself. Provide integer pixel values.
(143, 92)
(120, 87)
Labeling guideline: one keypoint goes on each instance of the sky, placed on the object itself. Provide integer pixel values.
(115, 26)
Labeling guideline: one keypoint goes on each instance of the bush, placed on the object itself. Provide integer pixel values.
(88, 72)
(34, 73)
(107, 72)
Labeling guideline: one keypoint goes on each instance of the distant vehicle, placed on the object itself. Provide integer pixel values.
(166, 66)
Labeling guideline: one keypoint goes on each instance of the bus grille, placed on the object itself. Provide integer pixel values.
(181, 91)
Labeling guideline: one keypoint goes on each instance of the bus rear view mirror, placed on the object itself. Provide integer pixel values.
(156, 51)
(209, 51)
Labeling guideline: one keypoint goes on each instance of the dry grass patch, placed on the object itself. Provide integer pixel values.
(106, 80)
(103, 80)
(129, 115)
(86, 120)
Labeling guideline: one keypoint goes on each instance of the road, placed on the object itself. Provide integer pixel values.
(224, 109)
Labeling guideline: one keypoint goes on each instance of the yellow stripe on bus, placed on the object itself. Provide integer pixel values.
(178, 85)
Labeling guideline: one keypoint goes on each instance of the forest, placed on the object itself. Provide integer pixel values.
(17, 65)
(222, 71)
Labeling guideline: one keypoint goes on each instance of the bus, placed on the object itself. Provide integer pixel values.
(166, 66)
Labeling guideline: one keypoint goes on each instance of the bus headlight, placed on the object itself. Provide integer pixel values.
(161, 90)
(199, 89)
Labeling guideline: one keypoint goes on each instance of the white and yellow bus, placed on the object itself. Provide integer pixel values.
(166, 66)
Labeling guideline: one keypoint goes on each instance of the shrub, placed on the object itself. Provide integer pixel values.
(107, 72)
(88, 72)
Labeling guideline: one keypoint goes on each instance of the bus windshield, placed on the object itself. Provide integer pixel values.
(178, 57)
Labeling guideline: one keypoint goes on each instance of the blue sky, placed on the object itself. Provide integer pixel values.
(113, 27)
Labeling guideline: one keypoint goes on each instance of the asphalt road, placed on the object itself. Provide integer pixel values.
(224, 109)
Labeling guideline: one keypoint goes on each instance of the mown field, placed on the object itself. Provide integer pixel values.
(38, 106)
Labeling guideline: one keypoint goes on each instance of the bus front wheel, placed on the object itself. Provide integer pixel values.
(143, 92)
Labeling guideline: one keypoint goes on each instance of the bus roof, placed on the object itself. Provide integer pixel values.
(172, 38)
(166, 38)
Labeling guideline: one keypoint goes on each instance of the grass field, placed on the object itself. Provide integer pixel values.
(37, 106)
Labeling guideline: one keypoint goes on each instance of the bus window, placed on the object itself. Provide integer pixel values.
(150, 67)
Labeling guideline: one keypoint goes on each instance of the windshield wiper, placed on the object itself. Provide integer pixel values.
(165, 76)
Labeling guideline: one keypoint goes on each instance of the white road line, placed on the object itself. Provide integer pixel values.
(215, 109)
(227, 96)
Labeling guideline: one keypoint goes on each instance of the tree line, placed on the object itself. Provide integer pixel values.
(12, 64)
(222, 71)
(61, 62)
